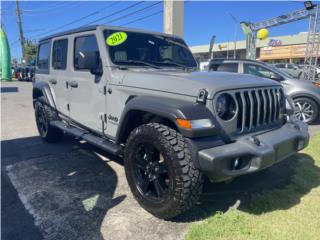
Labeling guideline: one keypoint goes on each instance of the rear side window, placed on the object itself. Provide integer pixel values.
(224, 67)
(84, 45)
(59, 54)
(43, 56)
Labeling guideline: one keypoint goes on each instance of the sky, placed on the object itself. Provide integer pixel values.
(202, 18)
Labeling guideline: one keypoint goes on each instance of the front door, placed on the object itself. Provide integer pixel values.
(86, 90)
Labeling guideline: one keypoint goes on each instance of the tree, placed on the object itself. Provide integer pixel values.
(31, 51)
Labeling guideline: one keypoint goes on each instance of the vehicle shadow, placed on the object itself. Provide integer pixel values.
(67, 188)
(277, 188)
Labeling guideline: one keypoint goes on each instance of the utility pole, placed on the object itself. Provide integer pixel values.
(22, 40)
(173, 17)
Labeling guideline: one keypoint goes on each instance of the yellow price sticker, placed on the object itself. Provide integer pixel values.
(116, 38)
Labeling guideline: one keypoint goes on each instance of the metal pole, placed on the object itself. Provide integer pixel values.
(228, 50)
(22, 40)
(236, 22)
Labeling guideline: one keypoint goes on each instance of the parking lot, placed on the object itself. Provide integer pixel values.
(72, 190)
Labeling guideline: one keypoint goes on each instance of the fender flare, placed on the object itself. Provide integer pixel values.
(170, 109)
(43, 89)
(305, 95)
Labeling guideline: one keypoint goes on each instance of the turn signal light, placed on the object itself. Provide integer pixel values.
(194, 124)
(184, 123)
(316, 84)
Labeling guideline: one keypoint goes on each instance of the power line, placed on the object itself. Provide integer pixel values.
(133, 13)
(57, 6)
(142, 18)
(145, 17)
(76, 20)
(114, 13)
(34, 30)
(53, 11)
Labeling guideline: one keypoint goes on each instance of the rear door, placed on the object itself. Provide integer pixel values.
(59, 73)
(87, 99)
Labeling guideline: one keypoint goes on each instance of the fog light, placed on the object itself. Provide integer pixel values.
(235, 164)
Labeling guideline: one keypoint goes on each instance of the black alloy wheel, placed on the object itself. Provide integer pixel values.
(44, 115)
(151, 173)
(41, 120)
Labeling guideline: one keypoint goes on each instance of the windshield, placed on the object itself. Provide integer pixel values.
(148, 50)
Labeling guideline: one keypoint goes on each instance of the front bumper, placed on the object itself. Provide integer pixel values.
(252, 153)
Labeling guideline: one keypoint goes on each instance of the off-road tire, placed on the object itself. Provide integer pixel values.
(52, 134)
(186, 186)
(313, 104)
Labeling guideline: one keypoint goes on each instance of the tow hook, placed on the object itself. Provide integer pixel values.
(255, 140)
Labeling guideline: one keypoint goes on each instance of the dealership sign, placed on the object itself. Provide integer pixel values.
(275, 42)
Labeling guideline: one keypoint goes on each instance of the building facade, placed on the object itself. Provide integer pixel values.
(284, 49)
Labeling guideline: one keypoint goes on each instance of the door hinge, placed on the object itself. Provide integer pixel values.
(68, 106)
(105, 90)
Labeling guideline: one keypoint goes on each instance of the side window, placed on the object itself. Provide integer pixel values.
(43, 56)
(260, 71)
(59, 54)
(280, 65)
(225, 67)
(84, 45)
(290, 66)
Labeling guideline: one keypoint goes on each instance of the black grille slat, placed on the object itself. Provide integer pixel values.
(240, 111)
(248, 107)
(258, 108)
(264, 107)
(276, 100)
(251, 110)
(244, 112)
(262, 101)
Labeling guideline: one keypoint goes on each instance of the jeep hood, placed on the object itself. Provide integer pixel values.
(189, 83)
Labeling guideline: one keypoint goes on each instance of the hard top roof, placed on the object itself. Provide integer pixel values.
(95, 27)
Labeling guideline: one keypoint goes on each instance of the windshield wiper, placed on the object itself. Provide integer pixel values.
(139, 61)
(174, 63)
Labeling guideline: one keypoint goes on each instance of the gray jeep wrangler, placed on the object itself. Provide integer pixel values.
(137, 94)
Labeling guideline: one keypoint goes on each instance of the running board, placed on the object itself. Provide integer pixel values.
(89, 137)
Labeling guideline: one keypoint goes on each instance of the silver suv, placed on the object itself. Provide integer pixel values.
(293, 70)
(136, 94)
(305, 94)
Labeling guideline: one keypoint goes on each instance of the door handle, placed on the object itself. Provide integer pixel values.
(53, 81)
(73, 84)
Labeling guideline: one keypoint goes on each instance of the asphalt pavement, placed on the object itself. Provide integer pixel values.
(71, 190)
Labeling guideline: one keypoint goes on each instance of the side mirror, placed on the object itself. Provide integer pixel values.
(89, 61)
(276, 77)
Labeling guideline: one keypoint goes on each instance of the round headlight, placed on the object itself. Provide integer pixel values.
(226, 106)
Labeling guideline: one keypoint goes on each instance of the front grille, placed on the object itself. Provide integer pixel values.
(258, 108)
